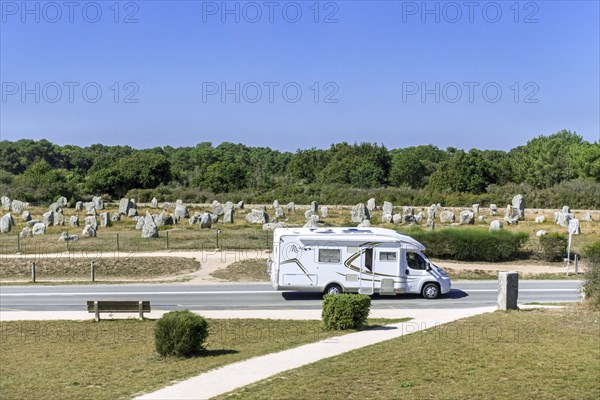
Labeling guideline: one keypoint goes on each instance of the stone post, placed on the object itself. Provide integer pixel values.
(508, 290)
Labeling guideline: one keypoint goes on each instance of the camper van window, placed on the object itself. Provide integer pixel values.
(369, 258)
(329, 256)
(387, 256)
(415, 261)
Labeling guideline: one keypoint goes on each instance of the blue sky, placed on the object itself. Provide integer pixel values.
(489, 75)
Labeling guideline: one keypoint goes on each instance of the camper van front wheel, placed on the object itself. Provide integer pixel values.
(430, 291)
(334, 288)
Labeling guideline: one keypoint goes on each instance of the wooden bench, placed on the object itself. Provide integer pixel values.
(113, 306)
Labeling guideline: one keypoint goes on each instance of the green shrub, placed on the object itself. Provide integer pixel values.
(471, 244)
(591, 285)
(180, 333)
(345, 311)
(553, 247)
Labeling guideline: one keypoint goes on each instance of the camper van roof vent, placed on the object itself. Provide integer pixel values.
(326, 230)
(354, 230)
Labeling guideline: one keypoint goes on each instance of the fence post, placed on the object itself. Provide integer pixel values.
(93, 271)
(33, 271)
(267, 232)
(18, 243)
(117, 242)
(576, 265)
(167, 236)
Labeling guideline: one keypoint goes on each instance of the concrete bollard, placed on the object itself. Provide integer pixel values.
(508, 290)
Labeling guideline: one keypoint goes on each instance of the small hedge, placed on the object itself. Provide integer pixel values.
(591, 285)
(345, 311)
(472, 244)
(553, 247)
(180, 333)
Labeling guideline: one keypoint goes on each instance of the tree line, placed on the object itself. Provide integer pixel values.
(40, 171)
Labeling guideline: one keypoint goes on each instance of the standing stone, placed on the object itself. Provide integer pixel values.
(5, 224)
(257, 217)
(55, 207)
(475, 208)
(240, 205)
(512, 215)
(312, 222)
(447, 217)
(154, 203)
(104, 219)
(308, 214)
(431, 211)
(371, 205)
(5, 203)
(314, 207)
(419, 217)
(26, 216)
(62, 201)
(587, 217)
(39, 229)
(205, 221)
(88, 232)
(194, 219)
(481, 219)
(79, 206)
(408, 211)
(115, 217)
(26, 232)
(364, 224)
(388, 208)
(387, 218)
(275, 204)
(493, 209)
(214, 218)
(430, 223)
(540, 219)
(90, 208)
(98, 203)
(397, 218)
(58, 219)
(508, 290)
(563, 219)
(271, 226)
(541, 233)
(181, 211)
(17, 206)
(228, 216)
(74, 221)
(92, 221)
(324, 211)
(217, 208)
(360, 213)
(496, 225)
(132, 212)
(150, 230)
(518, 203)
(124, 206)
(48, 218)
(291, 207)
(139, 223)
(466, 217)
(409, 219)
(279, 212)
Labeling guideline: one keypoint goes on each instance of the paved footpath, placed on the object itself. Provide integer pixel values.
(237, 375)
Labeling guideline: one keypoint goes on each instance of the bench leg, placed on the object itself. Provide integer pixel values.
(141, 308)
(96, 311)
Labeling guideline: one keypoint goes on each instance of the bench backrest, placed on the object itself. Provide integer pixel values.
(116, 306)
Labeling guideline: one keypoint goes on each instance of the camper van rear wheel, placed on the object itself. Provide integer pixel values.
(431, 291)
(334, 288)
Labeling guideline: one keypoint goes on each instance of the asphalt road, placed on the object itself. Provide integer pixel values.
(239, 296)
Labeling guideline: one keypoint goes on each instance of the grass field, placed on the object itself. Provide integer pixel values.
(116, 359)
(121, 269)
(123, 237)
(251, 270)
(539, 354)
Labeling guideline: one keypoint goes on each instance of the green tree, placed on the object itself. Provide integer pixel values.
(412, 166)
(464, 172)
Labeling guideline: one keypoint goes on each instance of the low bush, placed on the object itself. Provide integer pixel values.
(553, 247)
(591, 285)
(345, 311)
(180, 333)
(472, 244)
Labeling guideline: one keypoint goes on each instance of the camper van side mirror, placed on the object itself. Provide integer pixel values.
(428, 267)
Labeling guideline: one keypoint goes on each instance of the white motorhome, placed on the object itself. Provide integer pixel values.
(363, 260)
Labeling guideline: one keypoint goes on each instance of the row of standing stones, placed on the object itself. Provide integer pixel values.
(360, 214)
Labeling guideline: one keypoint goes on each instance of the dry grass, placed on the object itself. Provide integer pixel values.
(116, 359)
(122, 268)
(251, 270)
(549, 354)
